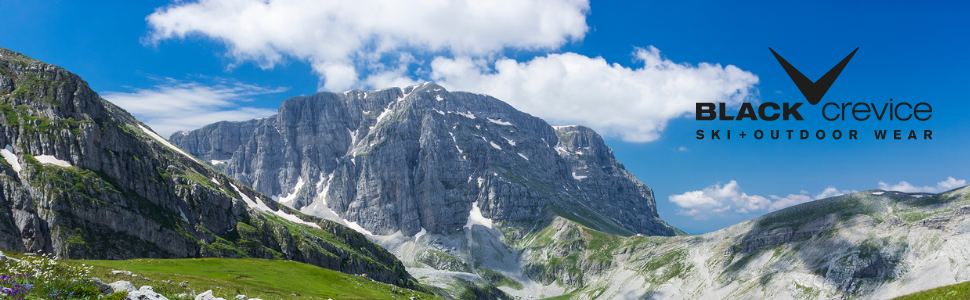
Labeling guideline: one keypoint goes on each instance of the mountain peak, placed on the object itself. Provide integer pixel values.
(420, 157)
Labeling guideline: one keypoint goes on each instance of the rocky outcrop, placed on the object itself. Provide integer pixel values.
(443, 261)
(565, 253)
(81, 178)
(420, 157)
(600, 176)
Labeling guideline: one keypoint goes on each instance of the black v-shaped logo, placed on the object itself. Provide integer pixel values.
(813, 91)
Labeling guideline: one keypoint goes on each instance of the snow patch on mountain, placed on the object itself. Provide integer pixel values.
(511, 141)
(166, 143)
(51, 160)
(420, 233)
(259, 205)
(475, 217)
(288, 199)
(499, 121)
(356, 227)
(7, 153)
(469, 114)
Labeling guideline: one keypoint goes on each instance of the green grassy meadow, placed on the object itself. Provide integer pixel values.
(955, 291)
(255, 278)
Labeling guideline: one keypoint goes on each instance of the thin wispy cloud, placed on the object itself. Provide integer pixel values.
(459, 44)
(174, 105)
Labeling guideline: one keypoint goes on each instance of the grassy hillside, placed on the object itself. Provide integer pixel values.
(255, 278)
(956, 291)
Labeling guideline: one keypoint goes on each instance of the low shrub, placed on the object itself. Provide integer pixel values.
(42, 277)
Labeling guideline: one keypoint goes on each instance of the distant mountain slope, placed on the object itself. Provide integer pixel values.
(422, 158)
(866, 245)
(81, 178)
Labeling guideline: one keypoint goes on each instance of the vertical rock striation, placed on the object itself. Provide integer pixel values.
(420, 157)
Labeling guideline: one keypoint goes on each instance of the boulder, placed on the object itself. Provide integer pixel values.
(207, 295)
(122, 286)
(145, 293)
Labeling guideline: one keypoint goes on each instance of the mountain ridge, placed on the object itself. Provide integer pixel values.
(408, 148)
(866, 245)
(82, 178)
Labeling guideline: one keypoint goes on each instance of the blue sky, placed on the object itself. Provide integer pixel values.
(612, 56)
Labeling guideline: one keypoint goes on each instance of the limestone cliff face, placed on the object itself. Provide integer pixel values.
(601, 177)
(219, 140)
(81, 178)
(421, 157)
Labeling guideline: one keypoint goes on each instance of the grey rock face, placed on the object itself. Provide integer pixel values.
(420, 157)
(81, 178)
(601, 177)
(122, 286)
(218, 141)
(145, 293)
(207, 295)
(443, 261)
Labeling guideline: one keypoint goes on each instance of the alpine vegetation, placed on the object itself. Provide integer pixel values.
(81, 178)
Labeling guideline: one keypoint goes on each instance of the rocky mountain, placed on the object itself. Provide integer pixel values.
(866, 245)
(81, 178)
(447, 181)
(469, 192)
(421, 158)
(470, 195)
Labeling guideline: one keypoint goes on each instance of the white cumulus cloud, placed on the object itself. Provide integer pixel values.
(942, 186)
(339, 37)
(632, 103)
(831, 191)
(459, 44)
(174, 105)
(717, 199)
